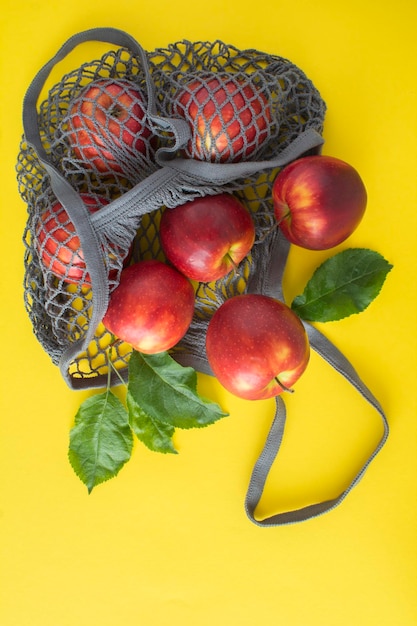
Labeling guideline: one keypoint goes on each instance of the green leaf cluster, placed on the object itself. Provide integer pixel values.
(161, 396)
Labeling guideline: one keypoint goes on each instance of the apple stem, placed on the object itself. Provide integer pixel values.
(284, 387)
(268, 232)
(235, 266)
(116, 111)
(113, 341)
(284, 217)
(273, 227)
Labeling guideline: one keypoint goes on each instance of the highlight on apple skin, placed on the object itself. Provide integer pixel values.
(256, 346)
(229, 117)
(151, 308)
(319, 201)
(208, 237)
(106, 121)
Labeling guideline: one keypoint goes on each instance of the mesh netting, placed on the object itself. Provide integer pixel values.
(112, 140)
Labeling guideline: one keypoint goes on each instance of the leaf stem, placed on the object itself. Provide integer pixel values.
(111, 366)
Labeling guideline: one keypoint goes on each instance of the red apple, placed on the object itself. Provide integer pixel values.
(107, 122)
(58, 244)
(318, 201)
(229, 117)
(152, 307)
(256, 346)
(207, 237)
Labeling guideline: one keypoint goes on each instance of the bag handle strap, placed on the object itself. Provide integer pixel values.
(223, 173)
(328, 351)
(274, 439)
(64, 191)
(113, 36)
(188, 172)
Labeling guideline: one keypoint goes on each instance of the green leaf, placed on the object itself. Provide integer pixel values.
(101, 439)
(343, 285)
(167, 392)
(156, 435)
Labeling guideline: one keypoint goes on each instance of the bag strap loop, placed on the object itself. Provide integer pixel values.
(274, 439)
(222, 173)
(66, 194)
(328, 351)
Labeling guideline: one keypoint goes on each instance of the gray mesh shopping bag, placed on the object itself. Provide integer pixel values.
(110, 149)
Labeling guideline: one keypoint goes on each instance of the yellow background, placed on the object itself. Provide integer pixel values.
(167, 541)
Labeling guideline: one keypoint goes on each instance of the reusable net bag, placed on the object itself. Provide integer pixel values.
(110, 149)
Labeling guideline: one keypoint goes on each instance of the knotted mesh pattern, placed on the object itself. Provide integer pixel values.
(94, 124)
(107, 129)
(230, 116)
(217, 82)
(97, 131)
